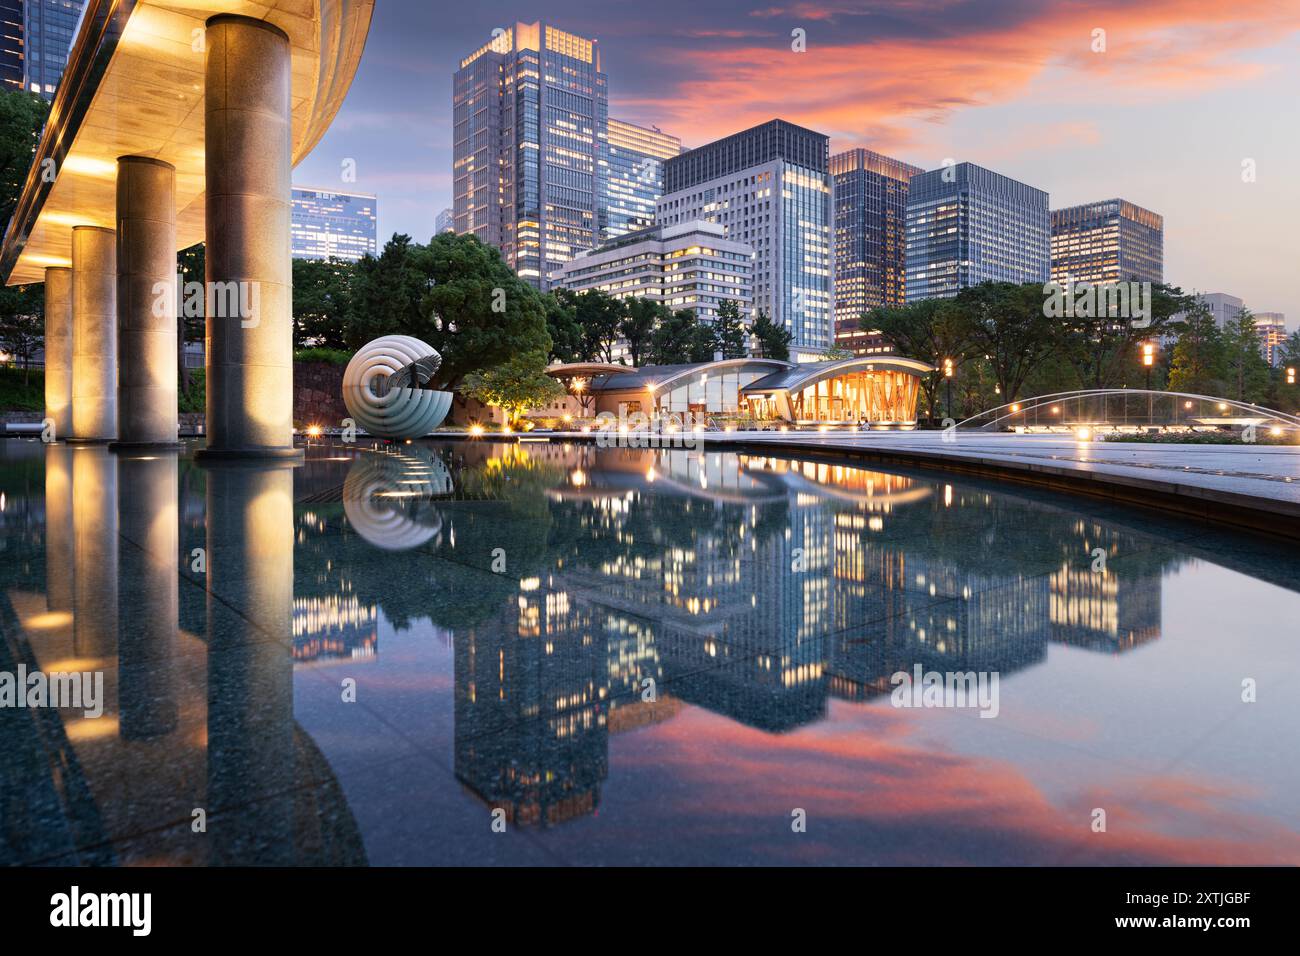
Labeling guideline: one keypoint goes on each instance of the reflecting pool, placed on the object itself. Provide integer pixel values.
(547, 653)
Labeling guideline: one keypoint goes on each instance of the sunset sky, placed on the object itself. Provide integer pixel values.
(1185, 92)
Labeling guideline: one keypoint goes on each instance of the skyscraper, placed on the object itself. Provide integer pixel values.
(530, 110)
(328, 224)
(967, 225)
(1109, 241)
(870, 241)
(445, 222)
(634, 176)
(11, 44)
(48, 30)
(770, 187)
(1271, 327)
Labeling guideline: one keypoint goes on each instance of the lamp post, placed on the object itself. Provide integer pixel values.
(1290, 375)
(1148, 360)
(947, 375)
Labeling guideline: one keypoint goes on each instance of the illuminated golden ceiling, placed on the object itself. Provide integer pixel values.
(149, 102)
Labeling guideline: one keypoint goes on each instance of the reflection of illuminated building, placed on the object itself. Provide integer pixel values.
(333, 626)
(1110, 610)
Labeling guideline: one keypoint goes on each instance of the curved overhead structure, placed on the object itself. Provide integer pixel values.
(880, 390)
(1129, 408)
(135, 86)
(394, 411)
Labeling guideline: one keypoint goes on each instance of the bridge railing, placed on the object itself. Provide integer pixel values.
(1122, 409)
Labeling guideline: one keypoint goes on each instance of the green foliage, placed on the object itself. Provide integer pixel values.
(1103, 349)
(562, 326)
(640, 317)
(729, 330)
(22, 389)
(515, 385)
(191, 397)
(22, 321)
(22, 115)
(1246, 371)
(328, 356)
(322, 298)
(773, 340)
(1197, 365)
(681, 338)
(600, 317)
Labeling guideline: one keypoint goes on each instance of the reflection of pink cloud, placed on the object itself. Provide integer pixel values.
(852, 89)
(863, 770)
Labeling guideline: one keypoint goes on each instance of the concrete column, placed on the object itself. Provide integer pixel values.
(60, 549)
(149, 609)
(247, 140)
(94, 334)
(58, 349)
(146, 302)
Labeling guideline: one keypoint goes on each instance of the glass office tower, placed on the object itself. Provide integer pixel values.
(11, 44)
(1109, 241)
(530, 111)
(327, 224)
(48, 29)
(967, 225)
(870, 241)
(770, 187)
(634, 176)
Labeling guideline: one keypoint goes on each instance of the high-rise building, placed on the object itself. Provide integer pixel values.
(634, 176)
(445, 222)
(12, 61)
(692, 265)
(1271, 327)
(967, 225)
(1108, 241)
(529, 110)
(48, 30)
(870, 241)
(770, 188)
(328, 224)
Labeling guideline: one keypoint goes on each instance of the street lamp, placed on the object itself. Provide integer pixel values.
(1290, 375)
(1148, 360)
(947, 374)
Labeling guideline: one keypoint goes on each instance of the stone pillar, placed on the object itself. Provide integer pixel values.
(149, 609)
(94, 334)
(146, 302)
(247, 140)
(58, 349)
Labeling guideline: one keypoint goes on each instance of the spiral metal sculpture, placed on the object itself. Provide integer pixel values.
(382, 388)
(387, 498)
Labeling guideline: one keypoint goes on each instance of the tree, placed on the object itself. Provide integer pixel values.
(387, 293)
(22, 323)
(681, 338)
(191, 266)
(1197, 361)
(1244, 365)
(773, 340)
(515, 386)
(1101, 347)
(1007, 325)
(599, 316)
(322, 292)
(562, 326)
(929, 330)
(729, 330)
(638, 326)
(22, 115)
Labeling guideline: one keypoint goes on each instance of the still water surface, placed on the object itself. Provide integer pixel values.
(636, 657)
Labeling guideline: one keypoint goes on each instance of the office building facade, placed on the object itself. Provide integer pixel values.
(633, 176)
(770, 187)
(530, 110)
(870, 242)
(967, 225)
(1271, 327)
(445, 222)
(692, 266)
(327, 224)
(48, 29)
(12, 62)
(1109, 241)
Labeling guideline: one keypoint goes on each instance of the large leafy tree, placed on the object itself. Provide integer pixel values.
(729, 330)
(773, 340)
(1197, 364)
(1101, 348)
(514, 386)
(567, 341)
(22, 115)
(600, 316)
(388, 292)
(641, 318)
(1007, 325)
(1244, 366)
(22, 322)
(681, 338)
(930, 330)
(322, 291)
